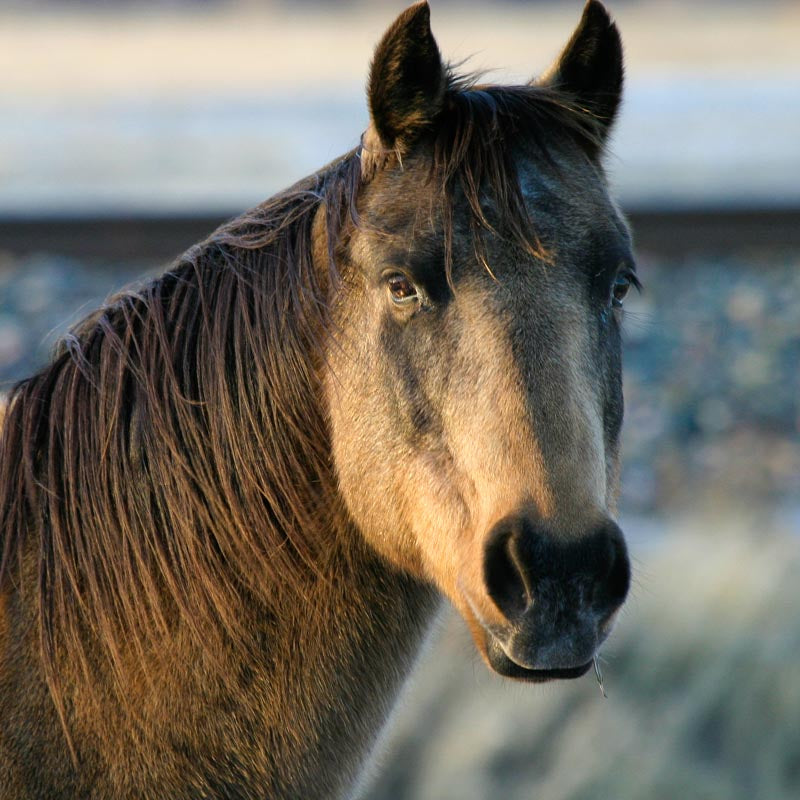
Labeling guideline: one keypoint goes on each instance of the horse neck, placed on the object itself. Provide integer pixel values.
(346, 648)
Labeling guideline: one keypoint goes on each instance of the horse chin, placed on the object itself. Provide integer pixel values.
(503, 665)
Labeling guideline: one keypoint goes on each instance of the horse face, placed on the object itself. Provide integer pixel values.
(475, 409)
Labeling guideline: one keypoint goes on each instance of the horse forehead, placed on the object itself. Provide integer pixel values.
(565, 188)
(566, 196)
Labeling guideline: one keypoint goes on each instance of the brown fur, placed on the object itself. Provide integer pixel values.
(217, 561)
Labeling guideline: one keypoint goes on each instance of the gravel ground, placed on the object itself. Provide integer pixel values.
(712, 382)
(712, 378)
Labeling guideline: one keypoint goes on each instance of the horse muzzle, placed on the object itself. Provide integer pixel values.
(559, 597)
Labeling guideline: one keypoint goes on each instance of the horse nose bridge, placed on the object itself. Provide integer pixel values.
(536, 577)
(569, 429)
(527, 404)
(565, 410)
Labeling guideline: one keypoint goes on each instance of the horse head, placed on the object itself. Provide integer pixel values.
(474, 376)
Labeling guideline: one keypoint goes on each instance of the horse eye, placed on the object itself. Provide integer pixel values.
(401, 289)
(622, 284)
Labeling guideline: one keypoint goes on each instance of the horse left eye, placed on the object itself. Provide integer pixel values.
(401, 289)
(622, 284)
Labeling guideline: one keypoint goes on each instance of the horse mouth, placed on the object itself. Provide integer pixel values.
(508, 668)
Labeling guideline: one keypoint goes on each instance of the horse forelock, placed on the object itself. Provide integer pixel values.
(473, 142)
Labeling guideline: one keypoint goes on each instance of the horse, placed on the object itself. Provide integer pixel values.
(233, 503)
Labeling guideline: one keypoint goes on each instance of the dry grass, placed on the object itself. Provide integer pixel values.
(703, 684)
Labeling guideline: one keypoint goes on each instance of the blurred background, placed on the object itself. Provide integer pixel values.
(130, 129)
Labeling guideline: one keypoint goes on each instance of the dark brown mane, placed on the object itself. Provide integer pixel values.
(175, 454)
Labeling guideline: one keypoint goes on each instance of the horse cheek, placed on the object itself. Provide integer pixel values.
(366, 452)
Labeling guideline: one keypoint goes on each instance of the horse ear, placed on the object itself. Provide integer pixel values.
(407, 80)
(590, 68)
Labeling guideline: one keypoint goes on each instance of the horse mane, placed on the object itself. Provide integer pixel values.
(174, 456)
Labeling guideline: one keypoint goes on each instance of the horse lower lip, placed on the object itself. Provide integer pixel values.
(505, 666)
(543, 675)
(562, 674)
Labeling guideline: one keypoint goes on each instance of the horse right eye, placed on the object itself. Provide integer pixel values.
(401, 289)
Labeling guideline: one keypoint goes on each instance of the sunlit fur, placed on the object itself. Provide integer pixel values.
(218, 558)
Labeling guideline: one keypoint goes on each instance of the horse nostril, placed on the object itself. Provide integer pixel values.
(618, 578)
(587, 575)
(504, 573)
